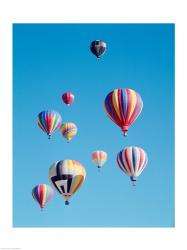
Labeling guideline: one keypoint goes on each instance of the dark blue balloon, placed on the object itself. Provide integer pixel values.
(98, 48)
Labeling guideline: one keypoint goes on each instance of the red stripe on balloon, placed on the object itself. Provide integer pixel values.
(121, 108)
(141, 158)
(115, 118)
(127, 156)
(48, 122)
(128, 107)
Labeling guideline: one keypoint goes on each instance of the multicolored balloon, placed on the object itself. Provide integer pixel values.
(98, 48)
(67, 176)
(42, 194)
(99, 157)
(132, 161)
(49, 121)
(69, 130)
(123, 106)
(68, 98)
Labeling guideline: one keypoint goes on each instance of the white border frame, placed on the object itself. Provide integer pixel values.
(96, 11)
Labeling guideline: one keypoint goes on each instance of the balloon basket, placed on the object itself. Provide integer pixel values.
(125, 133)
(133, 179)
(66, 202)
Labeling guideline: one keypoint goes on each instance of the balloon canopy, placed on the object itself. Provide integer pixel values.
(98, 48)
(132, 161)
(67, 176)
(69, 130)
(99, 157)
(49, 121)
(42, 194)
(123, 106)
(68, 98)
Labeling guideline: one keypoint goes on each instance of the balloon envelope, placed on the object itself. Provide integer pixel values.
(132, 161)
(67, 176)
(123, 106)
(49, 121)
(69, 130)
(99, 157)
(98, 48)
(68, 98)
(42, 194)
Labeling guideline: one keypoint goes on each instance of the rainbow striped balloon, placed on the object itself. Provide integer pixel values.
(67, 176)
(49, 121)
(123, 107)
(99, 157)
(69, 130)
(132, 161)
(42, 194)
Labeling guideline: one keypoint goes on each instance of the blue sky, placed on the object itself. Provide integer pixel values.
(50, 59)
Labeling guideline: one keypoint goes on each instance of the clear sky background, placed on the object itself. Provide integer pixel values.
(49, 60)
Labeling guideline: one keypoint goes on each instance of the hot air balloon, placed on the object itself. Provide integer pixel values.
(123, 107)
(68, 98)
(69, 130)
(42, 194)
(99, 157)
(49, 121)
(132, 161)
(98, 48)
(67, 176)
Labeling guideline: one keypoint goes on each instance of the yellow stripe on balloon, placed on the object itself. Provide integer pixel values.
(115, 102)
(69, 164)
(133, 102)
(70, 134)
(45, 194)
(76, 184)
(100, 158)
(53, 122)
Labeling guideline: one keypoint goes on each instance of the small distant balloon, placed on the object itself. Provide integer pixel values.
(99, 157)
(98, 48)
(123, 106)
(49, 121)
(42, 194)
(132, 161)
(68, 98)
(67, 176)
(69, 130)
